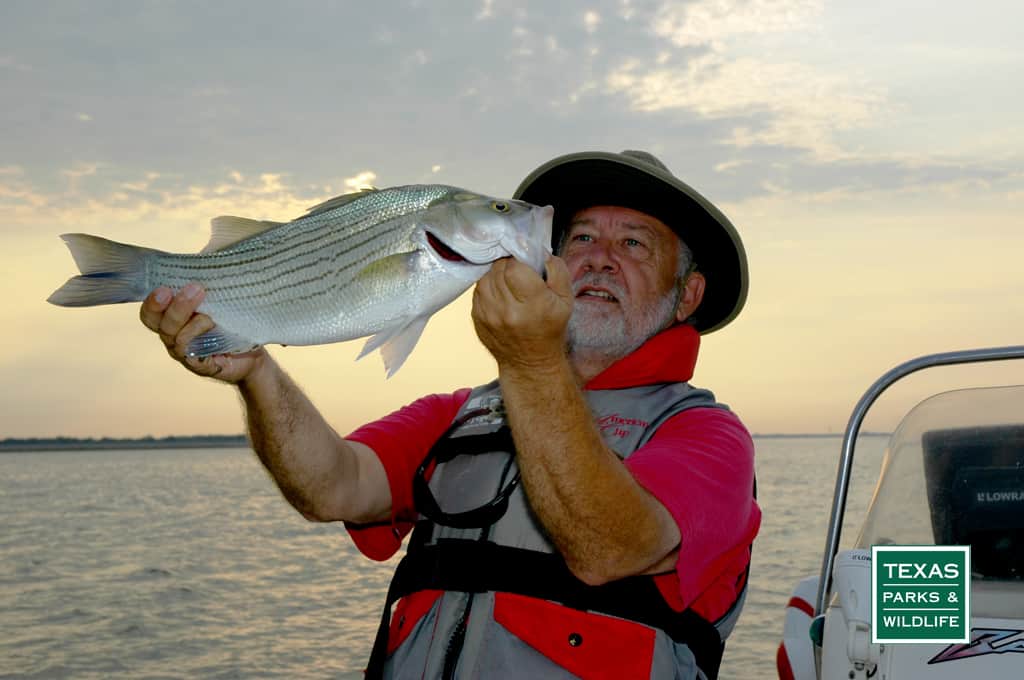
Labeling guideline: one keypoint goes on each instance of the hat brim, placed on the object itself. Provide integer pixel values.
(580, 180)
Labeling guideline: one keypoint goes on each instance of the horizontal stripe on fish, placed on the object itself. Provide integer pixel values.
(164, 268)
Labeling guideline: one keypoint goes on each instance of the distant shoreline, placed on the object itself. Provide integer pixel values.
(232, 442)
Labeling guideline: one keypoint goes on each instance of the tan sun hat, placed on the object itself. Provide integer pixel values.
(638, 180)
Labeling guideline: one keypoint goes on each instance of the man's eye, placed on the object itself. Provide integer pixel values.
(582, 237)
(633, 243)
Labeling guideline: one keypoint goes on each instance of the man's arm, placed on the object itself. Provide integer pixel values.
(603, 522)
(323, 476)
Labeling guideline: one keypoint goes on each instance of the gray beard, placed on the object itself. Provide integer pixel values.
(618, 330)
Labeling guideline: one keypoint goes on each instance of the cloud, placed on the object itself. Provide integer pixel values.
(486, 10)
(363, 180)
(729, 166)
(211, 91)
(77, 173)
(13, 64)
(956, 198)
(591, 21)
(777, 104)
(17, 194)
(150, 208)
(701, 63)
(420, 57)
(717, 21)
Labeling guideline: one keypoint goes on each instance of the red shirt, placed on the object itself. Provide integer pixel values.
(699, 465)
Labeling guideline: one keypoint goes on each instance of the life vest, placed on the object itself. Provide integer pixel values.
(482, 592)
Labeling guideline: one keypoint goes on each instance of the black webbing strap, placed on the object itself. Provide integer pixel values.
(476, 567)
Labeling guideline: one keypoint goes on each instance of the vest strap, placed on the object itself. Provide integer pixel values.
(476, 567)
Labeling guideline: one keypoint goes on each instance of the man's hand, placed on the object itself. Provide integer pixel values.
(174, 319)
(521, 318)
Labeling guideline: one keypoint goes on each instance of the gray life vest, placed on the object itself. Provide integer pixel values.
(487, 541)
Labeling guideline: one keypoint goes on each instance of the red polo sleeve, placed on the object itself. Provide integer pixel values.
(401, 440)
(700, 466)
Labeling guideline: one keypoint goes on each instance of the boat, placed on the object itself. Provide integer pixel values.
(952, 475)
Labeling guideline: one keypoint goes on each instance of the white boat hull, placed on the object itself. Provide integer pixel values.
(991, 654)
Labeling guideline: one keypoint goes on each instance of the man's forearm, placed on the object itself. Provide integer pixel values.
(317, 471)
(603, 522)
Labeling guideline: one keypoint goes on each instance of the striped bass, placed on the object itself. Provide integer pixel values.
(378, 262)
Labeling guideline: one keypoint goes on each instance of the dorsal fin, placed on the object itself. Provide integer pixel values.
(338, 201)
(227, 231)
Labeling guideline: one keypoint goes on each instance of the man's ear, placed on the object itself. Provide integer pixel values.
(693, 293)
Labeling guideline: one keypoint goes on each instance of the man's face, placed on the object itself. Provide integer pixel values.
(624, 266)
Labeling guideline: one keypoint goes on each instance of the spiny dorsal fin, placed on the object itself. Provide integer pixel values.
(227, 231)
(338, 201)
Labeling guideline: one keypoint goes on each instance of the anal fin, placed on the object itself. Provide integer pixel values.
(396, 343)
(219, 341)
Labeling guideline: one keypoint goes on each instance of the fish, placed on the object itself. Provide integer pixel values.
(377, 262)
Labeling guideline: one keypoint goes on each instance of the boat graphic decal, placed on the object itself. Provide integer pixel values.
(984, 641)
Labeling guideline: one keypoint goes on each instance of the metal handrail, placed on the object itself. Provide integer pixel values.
(835, 522)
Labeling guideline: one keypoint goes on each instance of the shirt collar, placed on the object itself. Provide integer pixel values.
(669, 356)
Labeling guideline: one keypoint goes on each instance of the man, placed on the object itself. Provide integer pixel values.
(587, 514)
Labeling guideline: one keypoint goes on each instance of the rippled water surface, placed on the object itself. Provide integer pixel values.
(188, 564)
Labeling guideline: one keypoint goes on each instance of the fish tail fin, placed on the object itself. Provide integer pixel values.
(111, 272)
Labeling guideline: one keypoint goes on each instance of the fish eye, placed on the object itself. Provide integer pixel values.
(500, 206)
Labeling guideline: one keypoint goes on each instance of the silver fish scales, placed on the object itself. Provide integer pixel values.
(377, 262)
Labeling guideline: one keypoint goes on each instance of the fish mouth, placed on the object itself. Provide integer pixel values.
(444, 250)
(596, 294)
(527, 240)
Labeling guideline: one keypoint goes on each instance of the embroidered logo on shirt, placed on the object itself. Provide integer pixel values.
(615, 425)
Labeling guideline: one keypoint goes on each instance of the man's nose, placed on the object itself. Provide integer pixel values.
(601, 257)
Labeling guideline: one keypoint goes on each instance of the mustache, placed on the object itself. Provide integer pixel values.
(599, 280)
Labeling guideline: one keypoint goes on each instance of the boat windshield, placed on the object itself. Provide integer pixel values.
(953, 474)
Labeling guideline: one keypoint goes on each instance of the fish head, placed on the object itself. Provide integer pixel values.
(481, 229)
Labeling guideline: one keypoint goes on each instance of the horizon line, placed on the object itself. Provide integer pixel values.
(6, 441)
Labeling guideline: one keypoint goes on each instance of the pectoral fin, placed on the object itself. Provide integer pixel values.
(396, 343)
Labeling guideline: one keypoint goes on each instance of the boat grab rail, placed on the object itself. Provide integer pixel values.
(835, 522)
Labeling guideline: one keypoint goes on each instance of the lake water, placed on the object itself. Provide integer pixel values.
(188, 564)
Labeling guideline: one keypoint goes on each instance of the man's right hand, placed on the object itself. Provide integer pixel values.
(174, 319)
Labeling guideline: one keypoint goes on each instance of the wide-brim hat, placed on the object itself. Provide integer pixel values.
(638, 180)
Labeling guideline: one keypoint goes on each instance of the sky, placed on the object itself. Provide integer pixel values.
(870, 154)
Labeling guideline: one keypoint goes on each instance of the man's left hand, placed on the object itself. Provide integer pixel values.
(520, 317)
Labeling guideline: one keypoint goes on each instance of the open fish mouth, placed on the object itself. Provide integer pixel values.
(529, 242)
(444, 250)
